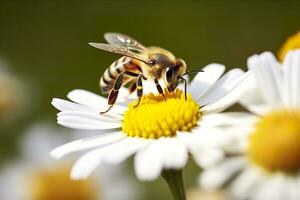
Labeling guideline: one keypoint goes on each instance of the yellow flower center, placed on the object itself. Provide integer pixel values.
(154, 117)
(291, 43)
(275, 144)
(50, 184)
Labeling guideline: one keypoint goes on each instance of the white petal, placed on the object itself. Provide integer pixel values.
(216, 177)
(228, 118)
(110, 117)
(86, 122)
(291, 189)
(164, 153)
(225, 92)
(148, 163)
(208, 157)
(267, 73)
(291, 71)
(221, 85)
(64, 105)
(90, 99)
(287, 76)
(85, 97)
(204, 80)
(245, 183)
(242, 131)
(83, 126)
(272, 188)
(174, 153)
(204, 154)
(254, 102)
(111, 154)
(133, 145)
(210, 137)
(87, 143)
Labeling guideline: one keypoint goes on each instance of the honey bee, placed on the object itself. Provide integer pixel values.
(138, 63)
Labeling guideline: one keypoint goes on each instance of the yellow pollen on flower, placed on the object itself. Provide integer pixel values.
(275, 143)
(49, 184)
(293, 42)
(154, 117)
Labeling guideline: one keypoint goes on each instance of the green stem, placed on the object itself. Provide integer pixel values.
(175, 182)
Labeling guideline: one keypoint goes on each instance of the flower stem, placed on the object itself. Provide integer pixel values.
(175, 182)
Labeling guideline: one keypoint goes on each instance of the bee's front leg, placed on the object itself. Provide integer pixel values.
(139, 89)
(159, 89)
(185, 85)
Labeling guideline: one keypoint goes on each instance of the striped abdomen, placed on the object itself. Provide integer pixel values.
(112, 72)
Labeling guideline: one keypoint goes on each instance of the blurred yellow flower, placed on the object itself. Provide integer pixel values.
(35, 176)
(55, 183)
(293, 42)
(13, 98)
(197, 194)
(7, 101)
(281, 130)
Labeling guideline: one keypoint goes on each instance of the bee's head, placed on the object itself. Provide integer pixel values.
(172, 74)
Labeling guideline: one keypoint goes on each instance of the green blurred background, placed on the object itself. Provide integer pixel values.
(46, 43)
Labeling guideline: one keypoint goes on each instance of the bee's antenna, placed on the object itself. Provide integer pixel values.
(185, 84)
(193, 71)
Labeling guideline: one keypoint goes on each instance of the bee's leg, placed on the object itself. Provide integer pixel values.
(139, 87)
(103, 112)
(113, 94)
(160, 90)
(185, 85)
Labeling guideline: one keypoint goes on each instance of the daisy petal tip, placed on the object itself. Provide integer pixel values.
(216, 65)
(54, 102)
(76, 176)
(55, 154)
(267, 54)
(147, 176)
(73, 92)
(205, 183)
(93, 44)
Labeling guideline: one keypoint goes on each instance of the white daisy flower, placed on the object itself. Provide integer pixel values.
(266, 151)
(34, 176)
(160, 133)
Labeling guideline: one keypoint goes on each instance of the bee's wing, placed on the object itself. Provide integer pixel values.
(121, 40)
(123, 51)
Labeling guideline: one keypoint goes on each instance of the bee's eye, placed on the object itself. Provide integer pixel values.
(169, 74)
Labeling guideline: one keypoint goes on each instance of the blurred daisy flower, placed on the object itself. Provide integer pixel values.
(12, 96)
(160, 133)
(35, 177)
(266, 151)
(293, 42)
